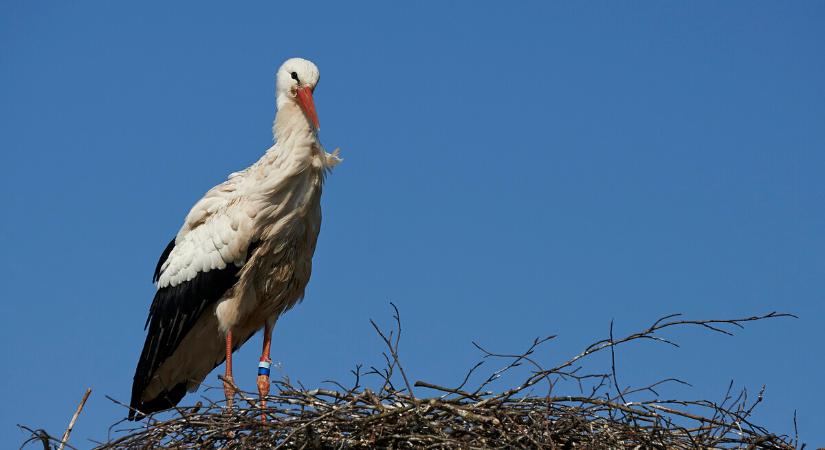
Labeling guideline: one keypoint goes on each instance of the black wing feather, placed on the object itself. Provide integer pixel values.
(162, 260)
(174, 311)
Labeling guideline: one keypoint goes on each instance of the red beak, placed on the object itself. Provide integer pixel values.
(308, 105)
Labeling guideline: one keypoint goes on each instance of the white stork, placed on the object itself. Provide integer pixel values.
(241, 259)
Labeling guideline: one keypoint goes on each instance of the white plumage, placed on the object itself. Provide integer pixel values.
(242, 257)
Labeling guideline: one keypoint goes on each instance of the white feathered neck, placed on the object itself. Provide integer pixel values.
(292, 133)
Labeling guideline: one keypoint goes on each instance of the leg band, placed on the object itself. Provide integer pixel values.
(263, 368)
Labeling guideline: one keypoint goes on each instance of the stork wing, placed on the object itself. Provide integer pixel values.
(195, 270)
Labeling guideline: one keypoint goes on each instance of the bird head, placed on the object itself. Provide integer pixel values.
(295, 82)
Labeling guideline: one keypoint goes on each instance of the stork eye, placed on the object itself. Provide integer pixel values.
(295, 77)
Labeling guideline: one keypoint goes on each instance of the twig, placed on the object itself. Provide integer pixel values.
(74, 419)
(394, 348)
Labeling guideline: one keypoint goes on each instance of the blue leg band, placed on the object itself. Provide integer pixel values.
(263, 368)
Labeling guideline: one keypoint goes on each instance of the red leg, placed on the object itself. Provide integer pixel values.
(228, 390)
(263, 368)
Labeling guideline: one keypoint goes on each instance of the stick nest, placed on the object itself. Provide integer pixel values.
(532, 414)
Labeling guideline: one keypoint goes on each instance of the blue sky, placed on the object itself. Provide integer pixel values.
(511, 171)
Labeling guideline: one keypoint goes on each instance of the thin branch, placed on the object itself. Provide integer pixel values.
(74, 419)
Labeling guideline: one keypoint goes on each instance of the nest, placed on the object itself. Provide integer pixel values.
(395, 414)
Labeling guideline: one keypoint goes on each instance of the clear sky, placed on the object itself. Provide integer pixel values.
(511, 170)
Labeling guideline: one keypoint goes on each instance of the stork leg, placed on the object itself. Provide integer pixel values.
(228, 389)
(263, 368)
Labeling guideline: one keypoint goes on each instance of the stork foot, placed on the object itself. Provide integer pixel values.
(229, 390)
(263, 384)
